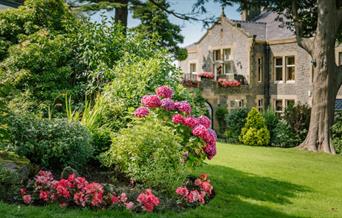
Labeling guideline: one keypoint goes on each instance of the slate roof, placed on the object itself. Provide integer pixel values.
(338, 104)
(8, 4)
(254, 28)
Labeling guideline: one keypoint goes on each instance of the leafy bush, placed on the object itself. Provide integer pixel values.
(221, 113)
(298, 117)
(271, 119)
(52, 144)
(235, 121)
(283, 136)
(336, 132)
(255, 132)
(148, 152)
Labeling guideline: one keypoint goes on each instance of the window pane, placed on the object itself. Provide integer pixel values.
(227, 68)
(226, 54)
(290, 60)
(260, 67)
(192, 68)
(290, 103)
(279, 105)
(279, 74)
(217, 55)
(279, 61)
(290, 73)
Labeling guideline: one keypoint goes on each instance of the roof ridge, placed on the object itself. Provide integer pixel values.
(242, 21)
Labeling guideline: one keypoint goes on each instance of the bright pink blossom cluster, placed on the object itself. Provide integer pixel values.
(208, 75)
(141, 112)
(151, 101)
(164, 92)
(148, 200)
(198, 191)
(226, 83)
(79, 192)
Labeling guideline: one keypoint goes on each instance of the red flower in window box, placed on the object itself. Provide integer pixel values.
(208, 75)
(226, 83)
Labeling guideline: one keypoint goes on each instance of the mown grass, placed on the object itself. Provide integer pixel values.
(249, 182)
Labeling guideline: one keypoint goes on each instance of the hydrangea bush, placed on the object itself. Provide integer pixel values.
(199, 140)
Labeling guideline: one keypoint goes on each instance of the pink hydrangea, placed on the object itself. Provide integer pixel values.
(168, 104)
(205, 121)
(27, 199)
(177, 119)
(141, 112)
(148, 200)
(182, 191)
(200, 131)
(44, 195)
(183, 106)
(151, 101)
(164, 92)
(210, 150)
(191, 122)
(210, 137)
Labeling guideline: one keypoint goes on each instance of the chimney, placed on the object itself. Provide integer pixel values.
(250, 13)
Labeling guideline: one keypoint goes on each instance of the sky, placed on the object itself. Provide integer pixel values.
(192, 31)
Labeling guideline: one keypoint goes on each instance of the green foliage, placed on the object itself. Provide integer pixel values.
(235, 121)
(336, 132)
(298, 117)
(52, 144)
(148, 152)
(271, 119)
(221, 113)
(283, 136)
(9, 184)
(255, 131)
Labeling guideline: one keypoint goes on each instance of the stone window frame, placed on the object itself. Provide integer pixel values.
(284, 67)
(288, 66)
(260, 98)
(260, 69)
(239, 101)
(284, 101)
(275, 66)
(222, 61)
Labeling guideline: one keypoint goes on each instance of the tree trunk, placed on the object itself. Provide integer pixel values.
(325, 80)
(121, 13)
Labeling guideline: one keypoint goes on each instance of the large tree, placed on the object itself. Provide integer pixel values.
(318, 27)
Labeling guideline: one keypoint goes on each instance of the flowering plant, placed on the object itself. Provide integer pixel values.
(208, 75)
(199, 140)
(227, 83)
(195, 191)
(77, 191)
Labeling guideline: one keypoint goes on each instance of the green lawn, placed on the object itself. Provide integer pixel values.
(249, 182)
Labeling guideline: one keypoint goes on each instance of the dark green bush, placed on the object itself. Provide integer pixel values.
(271, 119)
(221, 113)
(298, 117)
(283, 136)
(255, 131)
(235, 120)
(336, 132)
(52, 144)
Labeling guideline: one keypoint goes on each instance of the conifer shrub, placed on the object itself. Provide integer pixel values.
(255, 131)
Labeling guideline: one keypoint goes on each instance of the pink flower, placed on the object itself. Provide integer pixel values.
(115, 199)
(71, 177)
(129, 205)
(207, 187)
(191, 122)
(93, 187)
(205, 121)
(203, 176)
(80, 199)
(210, 150)
(148, 200)
(151, 101)
(97, 199)
(43, 178)
(81, 182)
(198, 182)
(200, 131)
(193, 196)
(182, 191)
(27, 199)
(164, 92)
(141, 112)
(201, 198)
(22, 191)
(168, 104)
(44, 195)
(183, 106)
(123, 197)
(177, 119)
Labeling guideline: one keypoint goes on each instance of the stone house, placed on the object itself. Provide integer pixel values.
(260, 53)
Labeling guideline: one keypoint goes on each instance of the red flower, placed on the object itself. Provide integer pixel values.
(207, 187)
(129, 205)
(203, 176)
(148, 200)
(80, 199)
(182, 191)
(115, 199)
(198, 182)
(27, 199)
(22, 191)
(44, 195)
(177, 119)
(164, 92)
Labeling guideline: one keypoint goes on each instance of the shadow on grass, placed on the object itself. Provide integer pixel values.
(240, 194)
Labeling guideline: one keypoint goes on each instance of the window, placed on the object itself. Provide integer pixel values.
(260, 69)
(217, 55)
(278, 69)
(226, 54)
(218, 69)
(232, 104)
(192, 68)
(241, 103)
(260, 104)
(278, 105)
(340, 58)
(290, 102)
(227, 68)
(290, 68)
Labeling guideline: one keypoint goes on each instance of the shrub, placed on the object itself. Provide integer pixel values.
(52, 144)
(283, 136)
(235, 121)
(271, 120)
(298, 117)
(221, 113)
(336, 132)
(255, 132)
(148, 152)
